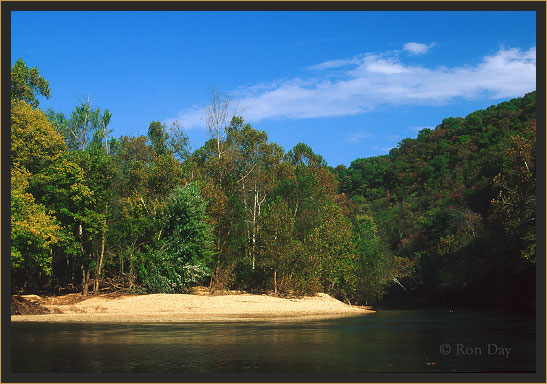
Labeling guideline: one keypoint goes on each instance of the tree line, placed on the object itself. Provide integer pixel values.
(148, 214)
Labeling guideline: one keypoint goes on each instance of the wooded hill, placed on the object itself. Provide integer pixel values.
(447, 217)
(459, 202)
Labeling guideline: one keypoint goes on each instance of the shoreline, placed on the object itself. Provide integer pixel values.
(166, 308)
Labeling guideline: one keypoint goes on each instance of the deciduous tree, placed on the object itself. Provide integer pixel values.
(27, 84)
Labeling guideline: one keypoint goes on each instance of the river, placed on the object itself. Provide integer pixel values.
(386, 341)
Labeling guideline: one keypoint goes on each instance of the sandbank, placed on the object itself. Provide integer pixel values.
(187, 308)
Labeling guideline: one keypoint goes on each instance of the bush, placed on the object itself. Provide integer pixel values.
(182, 255)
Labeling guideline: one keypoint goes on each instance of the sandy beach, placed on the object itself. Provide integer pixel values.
(186, 307)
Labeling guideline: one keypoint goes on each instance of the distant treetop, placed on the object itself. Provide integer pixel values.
(26, 84)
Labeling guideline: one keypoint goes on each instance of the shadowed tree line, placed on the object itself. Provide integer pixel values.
(441, 218)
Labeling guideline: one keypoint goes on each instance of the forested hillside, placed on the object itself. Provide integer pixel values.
(459, 203)
(448, 217)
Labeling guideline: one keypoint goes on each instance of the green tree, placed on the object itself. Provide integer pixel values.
(157, 133)
(330, 251)
(35, 148)
(279, 248)
(183, 252)
(303, 154)
(135, 209)
(27, 84)
(376, 267)
(84, 126)
(33, 233)
(179, 142)
(254, 163)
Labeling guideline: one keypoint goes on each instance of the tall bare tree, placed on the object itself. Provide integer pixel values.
(217, 117)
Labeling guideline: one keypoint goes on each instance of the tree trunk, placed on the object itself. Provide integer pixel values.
(99, 267)
(85, 281)
(254, 227)
(275, 282)
(105, 139)
(85, 126)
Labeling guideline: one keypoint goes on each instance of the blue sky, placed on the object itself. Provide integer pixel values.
(349, 84)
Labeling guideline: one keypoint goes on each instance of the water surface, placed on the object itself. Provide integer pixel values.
(386, 341)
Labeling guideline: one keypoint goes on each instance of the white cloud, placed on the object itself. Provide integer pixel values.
(382, 66)
(417, 48)
(370, 80)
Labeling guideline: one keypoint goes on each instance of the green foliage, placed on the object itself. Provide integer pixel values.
(372, 269)
(331, 252)
(279, 249)
(181, 256)
(179, 143)
(27, 84)
(303, 154)
(83, 127)
(158, 136)
(34, 232)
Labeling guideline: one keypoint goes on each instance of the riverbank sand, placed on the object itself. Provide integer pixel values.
(186, 307)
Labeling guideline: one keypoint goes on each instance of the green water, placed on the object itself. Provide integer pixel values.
(386, 341)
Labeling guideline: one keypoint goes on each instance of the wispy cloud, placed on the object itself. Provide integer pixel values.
(356, 137)
(417, 48)
(334, 64)
(190, 118)
(383, 149)
(360, 84)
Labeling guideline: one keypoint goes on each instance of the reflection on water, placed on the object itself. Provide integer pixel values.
(387, 341)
